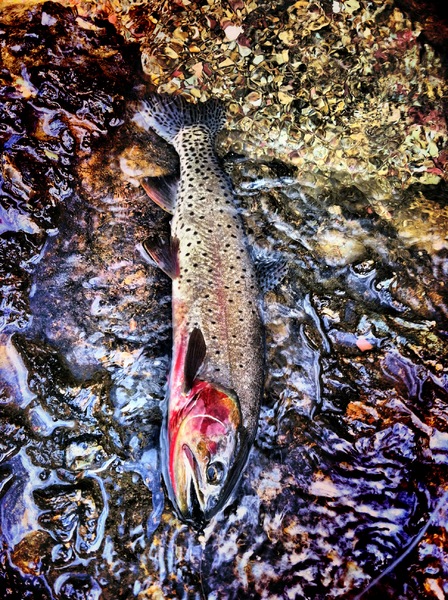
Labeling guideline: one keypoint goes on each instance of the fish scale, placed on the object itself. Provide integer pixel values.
(218, 291)
(217, 371)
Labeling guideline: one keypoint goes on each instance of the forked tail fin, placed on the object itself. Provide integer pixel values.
(168, 115)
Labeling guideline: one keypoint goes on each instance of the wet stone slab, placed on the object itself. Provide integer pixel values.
(349, 469)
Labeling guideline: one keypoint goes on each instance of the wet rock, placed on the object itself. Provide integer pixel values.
(77, 587)
(18, 587)
(84, 454)
(30, 552)
(74, 514)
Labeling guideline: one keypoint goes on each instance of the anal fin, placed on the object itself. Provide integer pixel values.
(162, 191)
(194, 358)
(270, 267)
(163, 253)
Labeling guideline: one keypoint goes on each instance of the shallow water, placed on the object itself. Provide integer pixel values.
(350, 461)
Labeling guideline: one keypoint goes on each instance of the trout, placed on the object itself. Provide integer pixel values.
(217, 370)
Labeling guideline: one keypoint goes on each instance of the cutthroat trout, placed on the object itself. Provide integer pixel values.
(217, 370)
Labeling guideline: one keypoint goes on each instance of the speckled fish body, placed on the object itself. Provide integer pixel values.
(217, 371)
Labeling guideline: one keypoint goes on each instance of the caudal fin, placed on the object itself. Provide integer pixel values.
(167, 115)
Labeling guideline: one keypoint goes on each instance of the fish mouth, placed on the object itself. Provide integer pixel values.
(196, 510)
(195, 505)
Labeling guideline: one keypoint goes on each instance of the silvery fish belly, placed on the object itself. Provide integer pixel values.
(216, 378)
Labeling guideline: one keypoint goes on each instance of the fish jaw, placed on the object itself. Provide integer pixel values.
(207, 452)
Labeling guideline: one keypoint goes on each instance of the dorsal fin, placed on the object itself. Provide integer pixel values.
(194, 358)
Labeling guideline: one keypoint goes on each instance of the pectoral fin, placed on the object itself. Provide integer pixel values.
(164, 254)
(162, 191)
(194, 358)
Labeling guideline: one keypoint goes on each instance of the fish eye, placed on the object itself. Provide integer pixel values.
(215, 473)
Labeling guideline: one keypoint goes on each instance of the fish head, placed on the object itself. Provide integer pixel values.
(208, 449)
